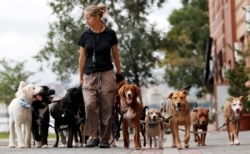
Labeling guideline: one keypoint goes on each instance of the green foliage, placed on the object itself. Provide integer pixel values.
(185, 46)
(137, 40)
(11, 73)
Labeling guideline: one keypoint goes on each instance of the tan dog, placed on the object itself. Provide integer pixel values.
(199, 119)
(154, 128)
(180, 110)
(132, 109)
(233, 112)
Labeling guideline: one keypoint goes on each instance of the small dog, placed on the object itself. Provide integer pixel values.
(233, 112)
(41, 117)
(154, 127)
(69, 114)
(131, 109)
(199, 119)
(20, 114)
(180, 110)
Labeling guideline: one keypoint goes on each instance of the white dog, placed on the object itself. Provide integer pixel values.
(20, 114)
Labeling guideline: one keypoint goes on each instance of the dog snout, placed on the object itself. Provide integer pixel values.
(52, 92)
(129, 95)
(203, 122)
(179, 104)
(237, 110)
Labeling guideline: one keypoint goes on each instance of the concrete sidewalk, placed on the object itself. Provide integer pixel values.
(216, 142)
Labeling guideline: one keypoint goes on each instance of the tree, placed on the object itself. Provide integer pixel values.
(185, 45)
(137, 40)
(237, 77)
(11, 73)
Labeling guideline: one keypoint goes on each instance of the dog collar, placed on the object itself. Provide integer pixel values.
(24, 103)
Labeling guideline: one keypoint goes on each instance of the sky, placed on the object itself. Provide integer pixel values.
(24, 25)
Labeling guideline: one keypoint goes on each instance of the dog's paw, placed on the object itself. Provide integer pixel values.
(173, 146)
(230, 143)
(77, 144)
(237, 142)
(179, 147)
(137, 148)
(28, 146)
(45, 146)
(21, 146)
(38, 144)
(186, 145)
(11, 146)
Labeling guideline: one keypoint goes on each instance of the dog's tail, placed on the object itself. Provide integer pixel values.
(145, 108)
(187, 87)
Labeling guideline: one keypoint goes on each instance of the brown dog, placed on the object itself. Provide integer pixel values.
(180, 110)
(131, 109)
(233, 112)
(154, 128)
(199, 119)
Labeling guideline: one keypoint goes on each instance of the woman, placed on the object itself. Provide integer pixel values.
(97, 76)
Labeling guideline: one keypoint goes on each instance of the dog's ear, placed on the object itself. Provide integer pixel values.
(241, 98)
(195, 110)
(207, 111)
(230, 98)
(159, 113)
(185, 92)
(121, 91)
(137, 90)
(21, 85)
(147, 116)
(170, 96)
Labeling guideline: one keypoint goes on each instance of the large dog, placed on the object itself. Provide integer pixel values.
(41, 117)
(154, 128)
(20, 114)
(199, 119)
(69, 114)
(180, 110)
(232, 113)
(131, 109)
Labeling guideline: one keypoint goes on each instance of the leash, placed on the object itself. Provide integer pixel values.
(215, 130)
(44, 121)
(164, 120)
(117, 133)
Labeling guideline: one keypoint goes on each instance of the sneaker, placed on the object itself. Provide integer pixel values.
(104, 144)
(93, 142)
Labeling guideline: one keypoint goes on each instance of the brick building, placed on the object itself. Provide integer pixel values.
(228, 30)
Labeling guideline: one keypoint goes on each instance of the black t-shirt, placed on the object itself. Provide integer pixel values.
(102, 42)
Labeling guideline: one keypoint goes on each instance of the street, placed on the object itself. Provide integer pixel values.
(216, 143)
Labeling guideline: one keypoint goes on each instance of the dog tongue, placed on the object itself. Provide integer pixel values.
(129, 101)
(38, 97)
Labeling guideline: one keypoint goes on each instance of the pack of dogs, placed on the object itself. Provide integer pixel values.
(32, 107)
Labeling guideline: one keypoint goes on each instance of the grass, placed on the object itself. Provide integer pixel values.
(5, 135)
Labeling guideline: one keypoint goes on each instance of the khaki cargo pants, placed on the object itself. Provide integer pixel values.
(99, 90)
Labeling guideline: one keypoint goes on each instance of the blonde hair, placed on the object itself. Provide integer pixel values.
(97, 10)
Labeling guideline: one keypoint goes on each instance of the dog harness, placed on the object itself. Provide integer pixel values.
(24, 103)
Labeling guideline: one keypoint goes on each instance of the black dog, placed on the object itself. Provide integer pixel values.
(41, 117)
(69, 114)
(142, 125)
